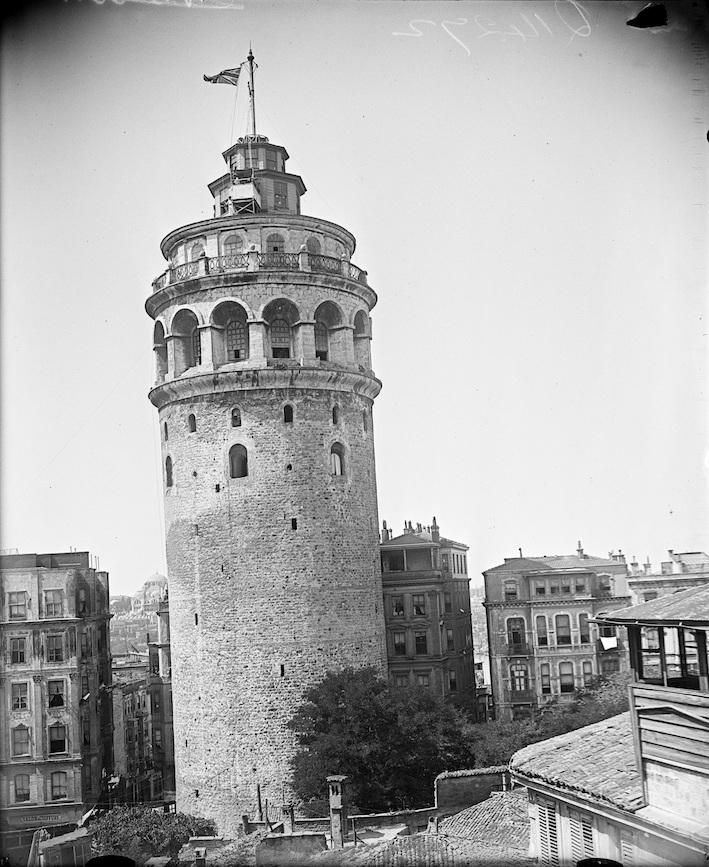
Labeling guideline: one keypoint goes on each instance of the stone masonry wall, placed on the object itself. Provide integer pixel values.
(260, 610)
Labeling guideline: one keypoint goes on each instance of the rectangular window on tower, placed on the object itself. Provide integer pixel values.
(280, 195)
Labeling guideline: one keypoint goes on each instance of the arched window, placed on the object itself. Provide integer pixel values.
(233, 244)
(519, 677)
(337, 459)
(160, 350)
(185, 331)
(275, 244)
(191, 423)
(168, 472)
(566, 676)
(196, 252)
(238, 462)
(288, 414)
(335, 414)
(237, 340)
(542, 639)
(164, 430)
(236, 417)
(313, 246)
(196, 348)
(563, 629)
(516, 632)
(280, 339)
(321, 341)
(361, 323)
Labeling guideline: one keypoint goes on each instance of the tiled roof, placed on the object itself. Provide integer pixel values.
(502, 820)
(406, 539)
(596, 762)
(686, 606)
(425, 850)
(472, 772)
(544, 564)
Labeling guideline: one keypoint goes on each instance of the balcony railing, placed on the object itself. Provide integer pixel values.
(254, 261)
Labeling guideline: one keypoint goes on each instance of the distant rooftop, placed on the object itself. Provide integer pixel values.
(414, 535)
(596, 763)
(556, 562)
(684, 607)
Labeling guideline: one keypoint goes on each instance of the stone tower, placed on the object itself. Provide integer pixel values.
(264, 390)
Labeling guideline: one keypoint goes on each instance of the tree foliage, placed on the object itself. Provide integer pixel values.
(495, 742)
(390, 743)
(139, 832)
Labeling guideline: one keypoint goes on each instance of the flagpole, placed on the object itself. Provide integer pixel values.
(251, 91)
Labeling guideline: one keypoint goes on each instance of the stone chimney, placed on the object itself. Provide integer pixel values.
(386, 535)
(337, 795)
(419, 528)
(579, 550)
(435, 535)
(647, 566)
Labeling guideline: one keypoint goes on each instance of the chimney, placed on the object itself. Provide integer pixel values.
(579, 550)
(647, 566)
(419, 528)
(435, 535)
(337, 794)
(520, 553)
(385, 532)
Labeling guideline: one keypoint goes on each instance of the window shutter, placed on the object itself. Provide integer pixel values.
(548, 834)
(581, 832)
(627, 851)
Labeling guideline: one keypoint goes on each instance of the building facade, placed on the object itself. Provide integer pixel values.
(680, 571)
(634, 788)
(55, 676)
(543, 643)
(264, 389)
(427, 612)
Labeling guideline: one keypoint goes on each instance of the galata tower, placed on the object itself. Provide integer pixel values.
(264, 389)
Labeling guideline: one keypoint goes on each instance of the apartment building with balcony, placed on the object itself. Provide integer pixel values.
(426, 593)
(55, 676)
(543, 642)
(633, 789)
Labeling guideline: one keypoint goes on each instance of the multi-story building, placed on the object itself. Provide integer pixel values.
(427, 611)
(264, 389)
(543, 644)
(634, 788)
(679, 572)
(55, 676)
(142, 709)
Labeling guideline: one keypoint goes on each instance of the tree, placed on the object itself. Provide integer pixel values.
(140, 832)
(494, 743)
(390, 743)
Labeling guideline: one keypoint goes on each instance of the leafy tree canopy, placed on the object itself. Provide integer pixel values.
(139, 832)
(390, 743)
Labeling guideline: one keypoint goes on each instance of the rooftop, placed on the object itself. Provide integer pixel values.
(560, 562)
(502, 820)
(682, 608)
(596, 763)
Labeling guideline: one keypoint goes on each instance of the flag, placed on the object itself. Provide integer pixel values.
(226, 76)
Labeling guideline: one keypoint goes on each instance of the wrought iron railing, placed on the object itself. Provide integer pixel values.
(184, 272)
(258, 261)
(327, 264)
(279, 261)
(234, 262)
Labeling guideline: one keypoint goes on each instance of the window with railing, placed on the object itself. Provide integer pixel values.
(563, 629)
(542, 637)
(516, 632)
(566, 677)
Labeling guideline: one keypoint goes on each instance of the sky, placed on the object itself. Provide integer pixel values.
(527, 183)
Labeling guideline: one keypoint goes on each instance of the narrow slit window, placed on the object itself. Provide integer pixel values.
(335, 415)
(294, 523)
(191, 423)
(168, 472)
(337, 459)
(164, 431)
(236, 417)
(288, 414)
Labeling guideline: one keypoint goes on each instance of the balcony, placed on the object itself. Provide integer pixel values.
(254, 261)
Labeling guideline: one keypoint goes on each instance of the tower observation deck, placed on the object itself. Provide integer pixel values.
(264, 390)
